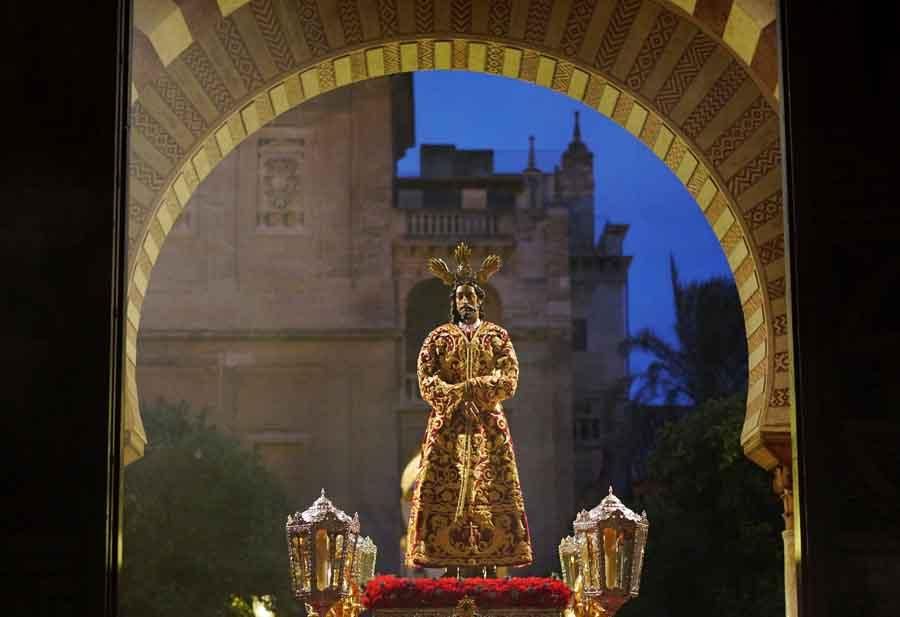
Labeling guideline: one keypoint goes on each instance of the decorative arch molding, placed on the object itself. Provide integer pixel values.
(207, 75)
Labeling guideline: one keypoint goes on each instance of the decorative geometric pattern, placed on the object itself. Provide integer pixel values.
(499, 14)
(348, 11)
(757, 373)
(728, 142)
(562, 76)
(777, 288)
(576, 26)
(594, 92)
(652, 49)
(147, 126)
(731, 238)
(495, 59)
(424, 16)
(781, 397)
(649, 135)
(327, 76)
(460, 54)
(765, 162)
(426, 54)
(313, 28)
(771, 250)
(538, 18)
(528, 70)
(204, 72)
(155, 231)
(675, 155)
(686, 70)
(764, 211)
(756, 339)
(358, 69)
(461, 15)
(141, 171)
(717, 97)
(387, 16)
(716, 208)
(392, 58)
(781, 362)
(779, 325)
(698, 178)
(272, 34)
(622, 112)
(614, 38)
(137, 217)
(169, 91)
(231, 40)
(741, 275)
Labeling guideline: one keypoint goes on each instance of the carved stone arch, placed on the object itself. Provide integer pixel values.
(683, 78)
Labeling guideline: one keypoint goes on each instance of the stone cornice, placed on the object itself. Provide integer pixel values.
(287, 334)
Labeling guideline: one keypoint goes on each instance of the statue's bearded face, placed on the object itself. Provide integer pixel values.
(468, 306)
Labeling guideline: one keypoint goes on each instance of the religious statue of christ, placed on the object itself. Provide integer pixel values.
(467, 506)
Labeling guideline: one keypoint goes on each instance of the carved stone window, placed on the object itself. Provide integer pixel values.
(280, 203)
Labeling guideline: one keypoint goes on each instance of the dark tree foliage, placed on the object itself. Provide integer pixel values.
(714, 547)
(710, 358)
(203, 523)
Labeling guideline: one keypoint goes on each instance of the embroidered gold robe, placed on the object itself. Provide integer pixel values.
(467, 505)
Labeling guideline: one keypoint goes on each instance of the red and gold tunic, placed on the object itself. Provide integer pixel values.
(467, 506)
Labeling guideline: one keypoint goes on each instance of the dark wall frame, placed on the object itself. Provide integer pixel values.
(65, 91)
(840, 139)
(62, 254)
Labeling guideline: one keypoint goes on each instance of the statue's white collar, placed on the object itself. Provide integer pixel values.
(470, 330)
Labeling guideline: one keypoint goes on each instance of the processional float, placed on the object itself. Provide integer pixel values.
(468, 513)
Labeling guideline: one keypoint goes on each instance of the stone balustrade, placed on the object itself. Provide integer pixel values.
(452, 224)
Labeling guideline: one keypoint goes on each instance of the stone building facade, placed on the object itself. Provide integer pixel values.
(292, 296)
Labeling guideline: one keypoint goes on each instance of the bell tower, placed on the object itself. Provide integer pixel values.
(575, 189)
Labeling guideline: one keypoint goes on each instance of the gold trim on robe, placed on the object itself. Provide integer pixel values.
(467, 505)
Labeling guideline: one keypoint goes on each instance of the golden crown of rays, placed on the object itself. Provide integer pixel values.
(463, 272)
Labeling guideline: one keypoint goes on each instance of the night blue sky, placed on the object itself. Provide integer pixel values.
(473, 110)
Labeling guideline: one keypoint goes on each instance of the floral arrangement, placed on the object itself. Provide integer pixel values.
(394, 592)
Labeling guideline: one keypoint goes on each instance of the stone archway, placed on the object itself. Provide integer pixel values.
(694, 80)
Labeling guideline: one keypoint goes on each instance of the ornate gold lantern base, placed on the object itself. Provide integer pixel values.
(585, 607)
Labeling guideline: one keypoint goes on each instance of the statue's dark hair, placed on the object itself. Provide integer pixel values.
(479, 292)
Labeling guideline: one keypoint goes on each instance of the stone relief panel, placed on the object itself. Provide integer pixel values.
(280, 202)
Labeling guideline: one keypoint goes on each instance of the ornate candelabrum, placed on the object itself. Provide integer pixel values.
(328, 560)
(602, 562)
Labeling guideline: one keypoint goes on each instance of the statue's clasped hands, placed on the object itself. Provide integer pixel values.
(468, 400)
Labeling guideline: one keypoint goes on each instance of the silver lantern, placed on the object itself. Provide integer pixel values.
(322, 546)
(607, 551)
(366, 552)
(568, 561)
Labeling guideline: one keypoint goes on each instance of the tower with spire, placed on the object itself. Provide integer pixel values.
(598, 275)
(574, 179)
(533, 179)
